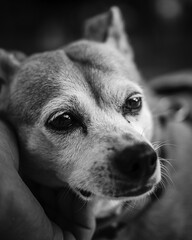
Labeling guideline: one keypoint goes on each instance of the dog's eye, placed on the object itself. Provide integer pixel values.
(132, 105)
(61, 121)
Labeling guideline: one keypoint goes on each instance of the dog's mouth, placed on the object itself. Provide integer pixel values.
(120, 194)
(87, 195)
(123, 193)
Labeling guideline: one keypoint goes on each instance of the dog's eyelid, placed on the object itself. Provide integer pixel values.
(49, 116)
(56, 114)
(135, 94)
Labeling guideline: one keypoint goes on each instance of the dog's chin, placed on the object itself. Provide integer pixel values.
(107, 204)
(103, 207)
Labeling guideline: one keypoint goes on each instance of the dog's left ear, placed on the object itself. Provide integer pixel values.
(108, 27)
(9, 65)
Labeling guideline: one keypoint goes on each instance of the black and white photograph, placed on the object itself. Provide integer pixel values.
(96, 120)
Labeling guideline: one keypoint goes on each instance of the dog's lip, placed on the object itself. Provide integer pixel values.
(84, 193)
(135, 192)
(124, 191)
(140, 191)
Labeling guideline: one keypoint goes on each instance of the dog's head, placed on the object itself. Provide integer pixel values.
(81, 114)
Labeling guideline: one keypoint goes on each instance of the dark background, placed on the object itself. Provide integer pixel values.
(159, 30)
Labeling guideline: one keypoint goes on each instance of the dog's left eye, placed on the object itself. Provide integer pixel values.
(61, 121)
(132, 105)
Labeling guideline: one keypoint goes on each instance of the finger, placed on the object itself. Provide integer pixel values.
(84, 219)
(21, 216)
(20, 212)
(68, 236)
(81, 220)
(8, 147)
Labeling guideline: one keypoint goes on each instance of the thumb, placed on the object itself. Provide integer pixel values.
(78, 214)
(21, 216)
(8, 147)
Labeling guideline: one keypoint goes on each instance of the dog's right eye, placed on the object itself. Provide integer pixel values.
(133, 105)
(61, 121)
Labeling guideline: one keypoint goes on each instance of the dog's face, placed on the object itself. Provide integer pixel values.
(82, 119)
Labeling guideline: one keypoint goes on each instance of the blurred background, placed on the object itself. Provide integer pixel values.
(160, 30)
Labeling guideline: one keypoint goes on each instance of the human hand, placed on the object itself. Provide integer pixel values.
(21, 215)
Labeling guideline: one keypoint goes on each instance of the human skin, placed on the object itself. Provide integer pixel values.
(22, 216)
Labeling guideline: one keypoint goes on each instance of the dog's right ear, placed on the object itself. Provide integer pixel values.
(9, 64)
(109, 28)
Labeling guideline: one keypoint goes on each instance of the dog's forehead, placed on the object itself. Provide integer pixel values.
(102, 57)
(103, 67)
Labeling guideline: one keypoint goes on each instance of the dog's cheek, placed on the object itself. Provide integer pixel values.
(96, 178)
(158, 176)
(81, 175)
(144, 123)
(85, 155)
(43, 154)
(73, 155)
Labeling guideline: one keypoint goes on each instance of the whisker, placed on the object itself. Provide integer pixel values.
(166, 174)
(168, 178)
(160, 145)
(168, 162)
(162, 184)
(129, 206)
(156, 196)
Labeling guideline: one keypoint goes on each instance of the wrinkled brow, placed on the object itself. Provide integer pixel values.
(68, 104)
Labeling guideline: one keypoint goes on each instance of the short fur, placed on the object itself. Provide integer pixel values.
(91, 78)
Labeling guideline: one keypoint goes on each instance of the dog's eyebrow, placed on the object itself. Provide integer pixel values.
(119, 93)
(64, 103)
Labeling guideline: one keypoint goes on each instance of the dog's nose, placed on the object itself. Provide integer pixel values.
(137, 162)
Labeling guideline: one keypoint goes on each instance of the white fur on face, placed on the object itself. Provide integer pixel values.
(87, 157)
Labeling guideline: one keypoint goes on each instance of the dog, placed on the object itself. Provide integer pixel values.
(85, 119)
